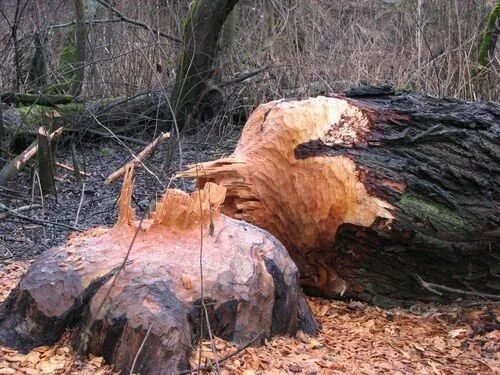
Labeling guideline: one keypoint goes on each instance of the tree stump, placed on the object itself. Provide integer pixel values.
(139, 283)
(384, 197)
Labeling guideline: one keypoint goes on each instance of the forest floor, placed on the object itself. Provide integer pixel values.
(355, 338)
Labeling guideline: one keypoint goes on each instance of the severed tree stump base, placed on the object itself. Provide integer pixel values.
(141, 306)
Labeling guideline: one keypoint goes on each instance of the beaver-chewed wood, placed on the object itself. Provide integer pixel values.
(250, 286)
(377, 195)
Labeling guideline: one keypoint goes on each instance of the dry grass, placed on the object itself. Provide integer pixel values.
(317, 46)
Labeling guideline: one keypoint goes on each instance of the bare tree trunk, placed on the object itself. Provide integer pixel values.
(195, 67)
(3, 152)
(37, 78)
(489, 38)
(45, 163)
(17, 53)
(80, 34)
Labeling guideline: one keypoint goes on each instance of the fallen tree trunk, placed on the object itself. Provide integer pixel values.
(121, 115)
(378, 196)
(46, 100)
(134, 293)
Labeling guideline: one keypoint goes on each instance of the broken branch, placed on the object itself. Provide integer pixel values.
(139, 159)
(11, 169)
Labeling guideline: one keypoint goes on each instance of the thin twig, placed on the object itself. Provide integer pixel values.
(37, 221)
(223, 359)
(80, 205)
(87, 22)
(434, 288)
(68, 168)
(20, 209)
(140, 349)
(128, 149)
(205, 311)
(241, 77)
(137, 23)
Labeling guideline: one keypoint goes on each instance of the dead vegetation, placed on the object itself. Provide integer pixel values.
(354, 339)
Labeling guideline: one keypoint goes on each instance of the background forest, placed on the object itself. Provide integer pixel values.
(308, 47)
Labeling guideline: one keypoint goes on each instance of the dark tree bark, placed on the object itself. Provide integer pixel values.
(46, 163)
(377, 196)
(80, 44)
(112, 293)
(195, 67)
(37, 77)
(437, 162)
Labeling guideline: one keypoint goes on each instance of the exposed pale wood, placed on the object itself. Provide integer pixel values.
(71, 169)
(139, 159)
(11, 169)
(369, 190)
(250, 285)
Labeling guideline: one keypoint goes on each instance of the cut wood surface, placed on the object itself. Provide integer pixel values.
(11, 169)
(139, 159)
(116, 285)
(373, 194)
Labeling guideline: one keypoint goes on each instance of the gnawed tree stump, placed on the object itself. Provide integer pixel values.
(250, 286)
(374, 196)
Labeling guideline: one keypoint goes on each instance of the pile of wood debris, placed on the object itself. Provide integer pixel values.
(355, 338)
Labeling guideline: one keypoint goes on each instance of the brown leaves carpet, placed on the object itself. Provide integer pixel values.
(355, 338)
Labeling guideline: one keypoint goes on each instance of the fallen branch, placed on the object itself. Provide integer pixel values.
(225, 358)
(71, 169)
(47, 100)
(20, 209)
(244, 76)
(137, 160)
(11, 169)
(37, 221)
(435, 288)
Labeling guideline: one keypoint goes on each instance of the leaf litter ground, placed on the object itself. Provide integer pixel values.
(355, 338)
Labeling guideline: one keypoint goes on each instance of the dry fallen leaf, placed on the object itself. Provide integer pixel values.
(352, 340)
(439, 343)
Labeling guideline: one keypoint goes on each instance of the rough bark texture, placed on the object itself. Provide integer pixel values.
(373, 193)
(80, 46)
(195, 67)
(121, 114)
(45, 163)
(250, 286)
